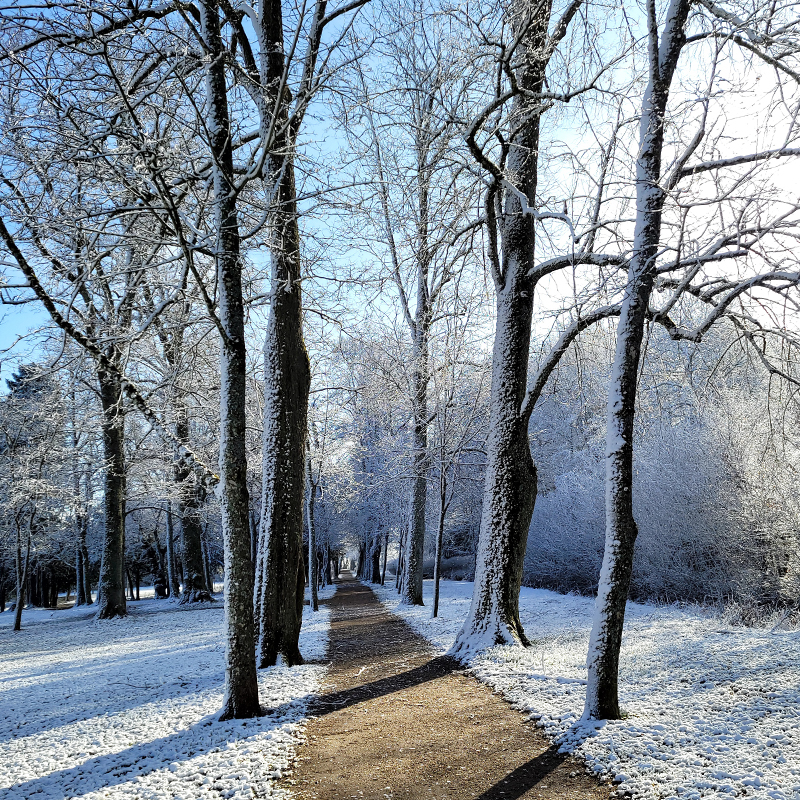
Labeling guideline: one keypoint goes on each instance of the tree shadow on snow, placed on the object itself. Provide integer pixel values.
(114, 769)
(86, 687)
(94, 692)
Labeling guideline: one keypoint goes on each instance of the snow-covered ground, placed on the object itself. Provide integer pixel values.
(712, 710)
(126, 708)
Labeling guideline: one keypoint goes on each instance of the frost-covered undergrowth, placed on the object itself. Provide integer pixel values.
(712, 710)
(126, 708)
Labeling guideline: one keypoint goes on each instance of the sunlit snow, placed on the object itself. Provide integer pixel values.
(712, 710)
(127, 708)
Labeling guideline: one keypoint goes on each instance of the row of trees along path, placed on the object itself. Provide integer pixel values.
(395, 721)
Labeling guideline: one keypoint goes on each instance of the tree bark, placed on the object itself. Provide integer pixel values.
(375, 559)
(287, 381)
(602, 694)
(131, 592)
(241, 679)
(313, 564)
(80, 592)
(437, 568)
(84, 530)
(196, 589)
(415, 539)
(385, 554)
(22, 580)
(510, 483)
(173, 584)
(81, 523)
(111, 602)
(253, 540)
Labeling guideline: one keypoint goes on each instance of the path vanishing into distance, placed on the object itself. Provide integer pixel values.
(397, 722)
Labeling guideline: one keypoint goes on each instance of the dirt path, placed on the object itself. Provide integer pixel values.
(397, 723)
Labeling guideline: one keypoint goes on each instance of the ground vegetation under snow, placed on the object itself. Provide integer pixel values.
(711, 709)
(127, 708)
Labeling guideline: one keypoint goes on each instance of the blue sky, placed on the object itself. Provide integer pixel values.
(16, 321)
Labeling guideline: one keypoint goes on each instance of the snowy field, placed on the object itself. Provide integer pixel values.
(126, 708)
(711, 710)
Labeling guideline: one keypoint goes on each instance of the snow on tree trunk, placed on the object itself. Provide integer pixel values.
(437, 567)
(196, 588)
(172, 572)
(413, 552)
(84, 550)
(287, 381)
(375, 559)
(81, 521)
(313, 566)
(112, 571)
(241, 680)
(80, 596)
(280, 572)
(602, 699)
(22, 579)
(509, 490)
(190, 494)
(510, 482)
(83, 594)
(398, 578)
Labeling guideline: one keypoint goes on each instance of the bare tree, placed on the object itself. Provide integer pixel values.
(666, 41)
(408, 135)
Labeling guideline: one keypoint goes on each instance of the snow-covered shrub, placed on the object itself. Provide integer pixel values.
(713, 496)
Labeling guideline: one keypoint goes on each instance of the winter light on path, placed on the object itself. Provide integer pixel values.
(712, 710)
(127, 708)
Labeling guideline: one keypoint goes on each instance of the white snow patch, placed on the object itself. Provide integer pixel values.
(713, 710)
(127, 708)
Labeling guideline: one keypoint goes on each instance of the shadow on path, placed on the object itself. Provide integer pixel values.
(398, 722)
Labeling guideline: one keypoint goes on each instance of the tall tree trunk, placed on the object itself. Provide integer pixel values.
(241, 679)
(83, 595)
(111, 602)
(375, 559)
(602, 694)
(385, 555)
(162, 567)
(22, 580)
(45, 588)
(84, 530)
(313, 564)
(411, 593)
(81, 523)
(80, 592)
(196, 588)
(437, 568)
(398, 578)
(361, 569)
(209, 576)
(287, 380)
(172, 572)
(510, 482)
(253, 539)
(287, 372)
